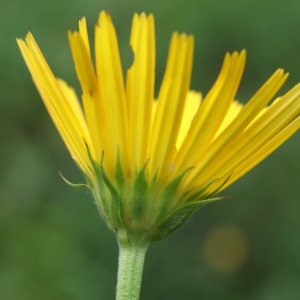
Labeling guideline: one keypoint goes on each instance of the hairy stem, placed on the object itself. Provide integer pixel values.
(130, 270)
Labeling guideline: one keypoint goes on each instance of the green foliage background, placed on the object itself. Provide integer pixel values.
(53, 245)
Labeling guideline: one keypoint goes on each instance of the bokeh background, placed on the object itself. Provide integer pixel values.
(53, 244)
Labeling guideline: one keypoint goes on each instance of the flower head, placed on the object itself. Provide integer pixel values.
(151, 163)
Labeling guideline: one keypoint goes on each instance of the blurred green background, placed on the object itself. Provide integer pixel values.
(53, 244)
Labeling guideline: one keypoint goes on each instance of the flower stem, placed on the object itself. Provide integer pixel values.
(131, 263)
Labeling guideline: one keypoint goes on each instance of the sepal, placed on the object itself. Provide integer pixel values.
(75, 185)
(115, 202)
(175, 219)
(140, 195)
(168, 196)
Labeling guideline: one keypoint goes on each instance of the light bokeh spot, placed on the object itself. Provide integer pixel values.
(226, 249)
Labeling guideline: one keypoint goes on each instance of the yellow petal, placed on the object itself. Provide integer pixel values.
(71, 96)
(211, 113)
(260, 132)
(171, 100)
(111, 84)
(140, 89)
(91, 97)
(232, 113)
(221, 148)
(264, 151)
(84, 35)
(61, 108)
(192, 103)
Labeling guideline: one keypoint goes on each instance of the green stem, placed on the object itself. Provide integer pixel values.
(130, 270)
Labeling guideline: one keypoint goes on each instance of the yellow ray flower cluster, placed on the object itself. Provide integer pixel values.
(196, 146)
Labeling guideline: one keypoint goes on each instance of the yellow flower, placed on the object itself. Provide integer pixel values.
(150, 163)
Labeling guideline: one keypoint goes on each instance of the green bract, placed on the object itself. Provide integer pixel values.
(143, 209)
